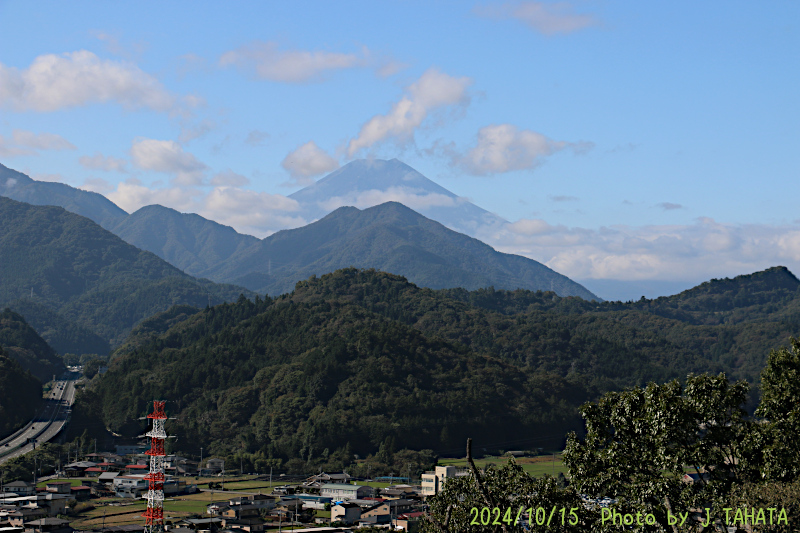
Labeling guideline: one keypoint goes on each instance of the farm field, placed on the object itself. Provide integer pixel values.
(535, 466)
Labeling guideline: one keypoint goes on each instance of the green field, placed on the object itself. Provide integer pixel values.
(250, 485)
(75, 482)
(535, 466)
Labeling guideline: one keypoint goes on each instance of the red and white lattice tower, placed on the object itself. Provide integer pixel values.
(154, 516)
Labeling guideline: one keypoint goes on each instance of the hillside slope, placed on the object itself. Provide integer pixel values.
(188, 241)
(24, 345)
(79, 270)
(94, 206)
(393, 238)
(288, 379)
(20, 394)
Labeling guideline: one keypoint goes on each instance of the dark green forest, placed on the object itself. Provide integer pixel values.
(82, 287)
(20, 394)
(359, 361)
(24, 345)
(290, 379)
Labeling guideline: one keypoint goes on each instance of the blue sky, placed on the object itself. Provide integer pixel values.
(622, 140)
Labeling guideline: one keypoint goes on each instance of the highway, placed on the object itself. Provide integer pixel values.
(53, 416)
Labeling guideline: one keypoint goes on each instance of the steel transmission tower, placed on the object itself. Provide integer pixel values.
(154, 516)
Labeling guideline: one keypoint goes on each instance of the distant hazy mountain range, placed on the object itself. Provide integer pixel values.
(96, 207)
(390, 236)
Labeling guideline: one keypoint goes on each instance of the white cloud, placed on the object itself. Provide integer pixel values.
(433, 90)
(505, 148)
(105, 163)
(390, 67)
(414, 198)
(307, 161)
(168, 157)
(132, 194)
(24, 142)
(669, 206)
(229, 178)
(249, 212)
(266, 61)
(41, 141)
(8, 149)
(54, 82)
(703, 250)
(545, 18)
(98, 185)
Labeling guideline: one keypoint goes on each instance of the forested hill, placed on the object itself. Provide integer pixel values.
(360, 356)
(772, 294)
(613, 344)
(86, 275)
(289, 379)
(20, 394)
(24, 345)
(390, 237)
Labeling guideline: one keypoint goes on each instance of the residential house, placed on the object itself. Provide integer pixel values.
(251, 525)
(239, 512)
(20, 488)
(374, 521)
(349, 513)
(49, 525)
(389, 507)
(130, 486)
(82, 492)
(215, 465)
(58, 487)
(258, 501)
(409, 522)
(19, 517)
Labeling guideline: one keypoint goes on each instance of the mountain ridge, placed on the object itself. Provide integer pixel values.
(92, 205)
(393, 238)
(75, 268)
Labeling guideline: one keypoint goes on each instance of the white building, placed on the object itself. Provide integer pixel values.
(130, 486)
(343, 491)
(432, 482)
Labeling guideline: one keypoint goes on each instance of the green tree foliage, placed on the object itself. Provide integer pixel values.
(358, 356)
(92, 366)
(20, 395)
(639, 441)
(780, 407)
(611, 344)
(290, 379)
(770, 494)
(44, 461)
(24, 345)
(79, 270)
